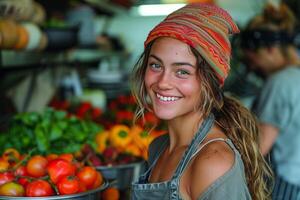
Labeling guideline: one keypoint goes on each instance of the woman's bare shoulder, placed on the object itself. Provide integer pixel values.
(212, 162)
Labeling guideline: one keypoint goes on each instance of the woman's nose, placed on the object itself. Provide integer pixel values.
(164, 81)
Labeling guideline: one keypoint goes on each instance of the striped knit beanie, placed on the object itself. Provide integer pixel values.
(204, 27)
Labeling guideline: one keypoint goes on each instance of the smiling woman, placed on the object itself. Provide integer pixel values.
(179, 78)
(171, 79)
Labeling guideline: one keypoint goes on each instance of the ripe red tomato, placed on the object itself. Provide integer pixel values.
(67, 156)
(98, 181)
(12, 189)
(24, 181)
(6, 177)
(39, 188)
(68, 185)
(110, 193)
(88, 176)
(82, 187)
(58, 168)
(21, 171)
(36, 166)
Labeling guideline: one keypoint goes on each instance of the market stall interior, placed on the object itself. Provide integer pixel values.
(64, 70)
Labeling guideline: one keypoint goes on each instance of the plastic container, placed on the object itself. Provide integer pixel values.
(88, 195)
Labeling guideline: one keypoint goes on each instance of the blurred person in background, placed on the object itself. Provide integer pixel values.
(269, 50)
(211, 150)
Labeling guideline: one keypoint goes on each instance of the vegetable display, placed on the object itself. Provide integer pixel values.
(49, 132)
(57, 152)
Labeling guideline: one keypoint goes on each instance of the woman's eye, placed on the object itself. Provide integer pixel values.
(183, 72)
(155, 66)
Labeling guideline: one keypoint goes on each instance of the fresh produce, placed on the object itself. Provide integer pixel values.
(119, 142)
(21, 171)
(48, 132)
(11, 154)
(88, 176)
(98, 181)
(119, 136)
(59, 168)
(68, 185)
(111, 193)
(12, 189)
(4, 164)
(24, 181)
(39, 188)
(36, 166)
(122, 144)
(39, 176)
(119, 111)
(6, 177)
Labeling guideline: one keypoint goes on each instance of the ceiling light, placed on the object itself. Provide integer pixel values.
(158, 9)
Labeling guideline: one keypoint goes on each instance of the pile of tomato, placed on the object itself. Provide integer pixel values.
(45, 175)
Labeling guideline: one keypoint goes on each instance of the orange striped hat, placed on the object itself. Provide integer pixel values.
(204, 27)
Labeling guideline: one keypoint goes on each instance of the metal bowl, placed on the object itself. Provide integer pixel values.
(123, 175)
(94, 194)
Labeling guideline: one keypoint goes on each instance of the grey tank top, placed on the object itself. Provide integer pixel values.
(232, 185)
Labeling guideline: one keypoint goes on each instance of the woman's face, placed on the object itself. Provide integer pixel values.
(171, 79)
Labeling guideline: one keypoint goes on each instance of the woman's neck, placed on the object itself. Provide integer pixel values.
(183, 129)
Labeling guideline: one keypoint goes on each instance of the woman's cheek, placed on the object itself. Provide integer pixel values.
(149, 77)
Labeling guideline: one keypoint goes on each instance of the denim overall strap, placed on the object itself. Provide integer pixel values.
(144, 177)
(198, 138)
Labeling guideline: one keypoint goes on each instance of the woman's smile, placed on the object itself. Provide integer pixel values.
(166, 98)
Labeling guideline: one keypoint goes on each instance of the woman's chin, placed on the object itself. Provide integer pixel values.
(164, 116)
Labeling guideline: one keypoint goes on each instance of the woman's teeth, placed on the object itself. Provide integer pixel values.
(162, 98)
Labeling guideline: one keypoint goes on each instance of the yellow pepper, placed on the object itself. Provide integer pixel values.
(102, 141)
(119, 136)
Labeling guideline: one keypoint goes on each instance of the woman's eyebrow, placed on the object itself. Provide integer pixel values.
(174, 64)
(155, 57)
(183, 63)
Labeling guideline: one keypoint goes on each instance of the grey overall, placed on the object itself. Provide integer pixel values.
(231, 186)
